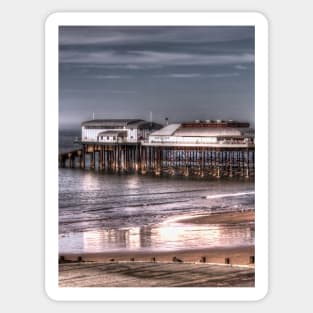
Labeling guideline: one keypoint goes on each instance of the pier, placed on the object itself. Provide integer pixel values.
(195, 149)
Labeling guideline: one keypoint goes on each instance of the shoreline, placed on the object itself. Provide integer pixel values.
(244, 216)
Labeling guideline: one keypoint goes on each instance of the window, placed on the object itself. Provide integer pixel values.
(113, 137)
(108, 137)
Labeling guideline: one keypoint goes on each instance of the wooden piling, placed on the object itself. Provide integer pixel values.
(163, 160)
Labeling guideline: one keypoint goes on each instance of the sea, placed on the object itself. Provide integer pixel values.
(100, 212)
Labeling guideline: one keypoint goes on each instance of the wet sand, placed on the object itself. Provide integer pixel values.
(222, 218)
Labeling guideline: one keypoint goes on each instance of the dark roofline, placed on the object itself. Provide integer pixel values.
(111, 121)
(215, 124)
(130, 123)
(148, 125)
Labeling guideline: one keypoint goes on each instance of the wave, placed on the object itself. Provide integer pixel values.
(142, 204)
(224, 195)
(86, 193)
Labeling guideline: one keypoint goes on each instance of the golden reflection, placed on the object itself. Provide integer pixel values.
(89, 183)
(189, 236)
(99, 240)
(196, 236)
(132, 183)
(166, 236)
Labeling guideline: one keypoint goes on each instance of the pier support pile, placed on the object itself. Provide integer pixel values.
(162, 160)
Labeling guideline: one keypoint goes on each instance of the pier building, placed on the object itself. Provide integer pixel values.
(117, 130)
(203, 133)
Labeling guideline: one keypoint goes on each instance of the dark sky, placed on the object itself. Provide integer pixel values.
(183, 73)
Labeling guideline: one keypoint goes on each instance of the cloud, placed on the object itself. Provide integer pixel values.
(141, 48)
(86, 66)
(93, 35)
(109, 91)
(198, 75)
(122, 91)
(222, 75)
(153, 58)
(110, 76)
(183, 75)
(240, 67)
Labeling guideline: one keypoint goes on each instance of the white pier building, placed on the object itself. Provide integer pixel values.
(204, 133)
(117, 130)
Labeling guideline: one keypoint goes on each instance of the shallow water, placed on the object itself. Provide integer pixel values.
(103, 212)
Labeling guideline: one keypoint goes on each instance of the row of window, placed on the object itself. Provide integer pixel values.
(114, 137)
(108, 138)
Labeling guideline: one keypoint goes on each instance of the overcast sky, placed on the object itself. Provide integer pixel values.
(183, 73)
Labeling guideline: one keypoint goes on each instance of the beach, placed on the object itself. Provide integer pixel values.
(215, 266)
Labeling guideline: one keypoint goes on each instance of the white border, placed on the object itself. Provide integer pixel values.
(51, 152)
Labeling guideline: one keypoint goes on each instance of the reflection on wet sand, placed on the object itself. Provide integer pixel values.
(173, 236)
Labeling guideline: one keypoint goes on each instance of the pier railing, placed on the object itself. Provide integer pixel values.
(219, 144)
(224, 143)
